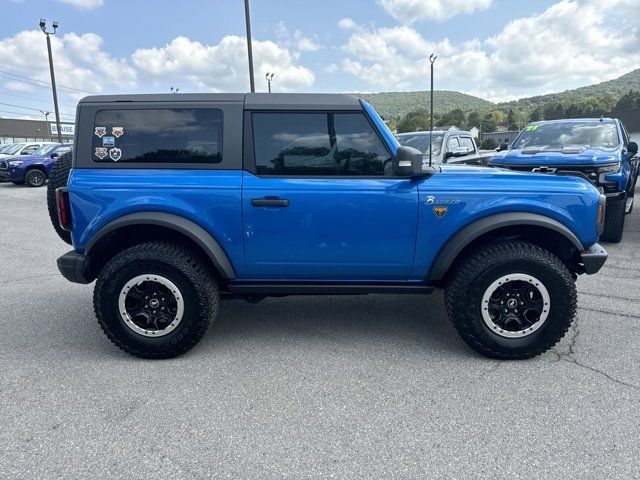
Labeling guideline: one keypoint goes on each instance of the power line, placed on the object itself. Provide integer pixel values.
(31, 108)
(45, 83)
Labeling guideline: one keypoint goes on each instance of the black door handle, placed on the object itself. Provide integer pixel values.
(269, 202)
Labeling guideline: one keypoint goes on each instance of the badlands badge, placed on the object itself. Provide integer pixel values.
(101, 153)
(440, 211)
(117, 131)
(115, 154)
(100, 131)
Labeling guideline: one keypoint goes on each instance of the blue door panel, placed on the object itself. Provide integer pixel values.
(332, 229)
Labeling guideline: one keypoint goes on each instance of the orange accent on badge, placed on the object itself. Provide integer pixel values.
(440, 211)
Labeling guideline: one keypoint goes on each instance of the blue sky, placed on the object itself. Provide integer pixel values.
(496, 49)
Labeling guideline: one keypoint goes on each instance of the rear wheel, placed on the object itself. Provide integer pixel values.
(155, 300)
(614, 222)
(511, 300)
(35, 177)
(58, 178)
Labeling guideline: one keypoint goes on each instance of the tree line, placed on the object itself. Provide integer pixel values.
(516, 117)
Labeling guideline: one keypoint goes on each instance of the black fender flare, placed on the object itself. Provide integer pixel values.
(468, 234)
(179, 224)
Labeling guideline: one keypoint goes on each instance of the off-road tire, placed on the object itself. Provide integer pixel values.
(614, 222)
(58, 178)
(188, 271)
(35, 177)
(475, 272)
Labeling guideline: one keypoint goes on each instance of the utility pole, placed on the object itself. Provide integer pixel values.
(432, 60)
(46, 122)
(247, 18)
(43, 27)
(269, 77)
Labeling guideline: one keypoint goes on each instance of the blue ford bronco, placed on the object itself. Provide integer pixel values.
(596, 149)
(175, 202)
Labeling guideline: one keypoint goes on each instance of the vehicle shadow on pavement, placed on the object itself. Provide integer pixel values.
(386, 321)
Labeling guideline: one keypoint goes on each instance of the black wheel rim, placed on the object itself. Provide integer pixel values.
(515, 305)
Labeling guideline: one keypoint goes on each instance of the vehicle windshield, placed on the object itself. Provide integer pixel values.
(558, 135)
(14, 148)
(44, 150)
(421, 142)
(4, 148)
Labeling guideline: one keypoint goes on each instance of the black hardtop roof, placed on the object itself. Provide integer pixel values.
(252, 101)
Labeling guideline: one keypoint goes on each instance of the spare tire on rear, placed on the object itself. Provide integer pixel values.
(58, 178)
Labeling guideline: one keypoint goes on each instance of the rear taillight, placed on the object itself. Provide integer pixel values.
(64, 208)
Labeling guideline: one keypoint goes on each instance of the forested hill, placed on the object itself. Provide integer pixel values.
(393, 105)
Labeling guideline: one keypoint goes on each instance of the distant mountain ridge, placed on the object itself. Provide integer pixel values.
(394, 105)
(398, 104)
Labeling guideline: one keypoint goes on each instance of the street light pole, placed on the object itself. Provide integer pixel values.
(43, 27)
(46, 122)
(249, 49)
(269, 77)
(432, 60)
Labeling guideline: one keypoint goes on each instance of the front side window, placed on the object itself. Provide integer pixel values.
(317, 144)
(168, 135)
(30, 149)
(467, 143)
(452, 143)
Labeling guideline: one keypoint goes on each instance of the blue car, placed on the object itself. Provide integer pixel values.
(176, 202)
(33, 169)
(598, 150)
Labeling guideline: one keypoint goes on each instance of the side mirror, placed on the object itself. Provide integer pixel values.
(54, 155)
(408, 163)
(503, 147)
(632, 148)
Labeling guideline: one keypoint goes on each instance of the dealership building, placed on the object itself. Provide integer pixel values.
(13, 130)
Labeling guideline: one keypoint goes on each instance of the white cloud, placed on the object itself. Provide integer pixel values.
(79, 61)
(572, 43)
(347, 23)
(409, 11)
(84, 4)
(296, 41)
(223, 67)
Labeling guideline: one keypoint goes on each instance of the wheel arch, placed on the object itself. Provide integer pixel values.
(104, 244)
(537, 229)
(36, 166)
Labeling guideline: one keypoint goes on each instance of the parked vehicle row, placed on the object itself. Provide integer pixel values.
(29, 164)
(175, 202)
(596, 149)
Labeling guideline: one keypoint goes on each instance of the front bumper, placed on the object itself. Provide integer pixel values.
(593, 258)
(76, 267)
(11, 175)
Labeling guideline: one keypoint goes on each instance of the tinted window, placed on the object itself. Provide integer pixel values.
(467, 143)
(318, 144)
(158, 136)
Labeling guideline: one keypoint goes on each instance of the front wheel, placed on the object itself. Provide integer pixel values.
(35, 178)
(614, 222)
(512, 300)
(155, 300)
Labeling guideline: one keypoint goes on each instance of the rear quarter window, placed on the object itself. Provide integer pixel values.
(158, 136)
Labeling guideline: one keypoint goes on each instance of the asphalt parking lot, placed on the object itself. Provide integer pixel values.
(338, 387)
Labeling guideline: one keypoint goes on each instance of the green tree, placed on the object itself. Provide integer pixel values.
(455, 117)
(414, 121)
(512, 124)
(488, 144)
(629, 101)
(474, 119)
(488, 123)
(499, 117)
(536, 114)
